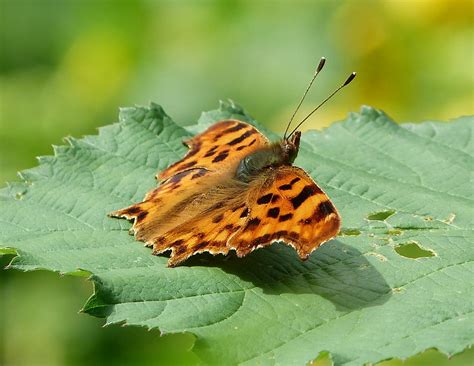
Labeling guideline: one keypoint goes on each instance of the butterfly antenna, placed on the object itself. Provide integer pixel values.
(347, 82)
(318, 69)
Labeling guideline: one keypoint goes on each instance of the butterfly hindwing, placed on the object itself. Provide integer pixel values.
(208, 230)
(289, 206)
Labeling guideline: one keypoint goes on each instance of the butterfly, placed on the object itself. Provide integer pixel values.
(235, 191)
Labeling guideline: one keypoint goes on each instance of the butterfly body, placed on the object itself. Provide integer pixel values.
(273, 156)
(234, 190)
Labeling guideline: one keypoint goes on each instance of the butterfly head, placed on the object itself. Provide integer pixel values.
(290, 147)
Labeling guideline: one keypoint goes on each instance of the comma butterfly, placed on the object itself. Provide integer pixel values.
(234, 190)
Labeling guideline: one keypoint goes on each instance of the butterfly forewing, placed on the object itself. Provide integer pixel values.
(220, 147)
(153, 214)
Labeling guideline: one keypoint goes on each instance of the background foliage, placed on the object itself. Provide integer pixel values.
(65, 66)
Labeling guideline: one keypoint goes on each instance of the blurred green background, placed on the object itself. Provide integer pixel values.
(66, 67)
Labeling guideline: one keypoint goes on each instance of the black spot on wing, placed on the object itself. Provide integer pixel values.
(199, 174)
(222, 156)
(245, 146)
(285, 217)
(245, 212)
(261, 240)
(133, 210)
(306, 192)
(141, 216)
(217, 218)
(201, 245)
(188, 165)
(252, 223)
(323, 210)
(211, 151)
(180, 250)
(265, 199)
(252, 142)
(179, 176)
(177, 243)
(286, 187)
(241, 137)
(235, 128)
(293, 235)
(273, 212)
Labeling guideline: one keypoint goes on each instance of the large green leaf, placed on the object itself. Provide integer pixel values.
(404, 192)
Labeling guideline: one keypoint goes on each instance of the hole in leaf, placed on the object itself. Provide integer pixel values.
(350, 232)
(394, 232)
(413, 250)
(450, 219)
(380, 215)
(324, 359)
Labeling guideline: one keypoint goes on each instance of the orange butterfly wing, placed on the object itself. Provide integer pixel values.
(152, 215)
(209, 229)
(221, 146)
(282, 204)
(211, 160)
(289, 206)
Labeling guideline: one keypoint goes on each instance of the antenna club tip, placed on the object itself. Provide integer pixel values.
(321, 64)
(350, 78)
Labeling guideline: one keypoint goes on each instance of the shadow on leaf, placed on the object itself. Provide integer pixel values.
(336, 271)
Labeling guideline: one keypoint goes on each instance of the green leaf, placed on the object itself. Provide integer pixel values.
(356, 297)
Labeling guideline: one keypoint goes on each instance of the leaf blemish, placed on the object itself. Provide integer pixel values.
(450, 218)
(394, 232)
(349, 232)
(379, 256)
(380, 215)
(413, 250)
(397, 290)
